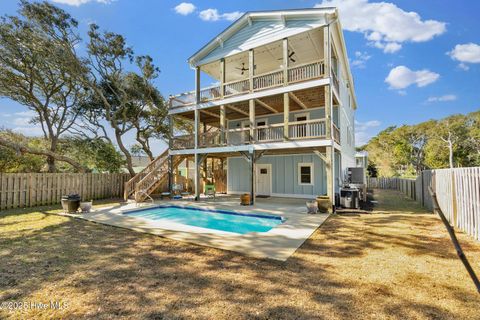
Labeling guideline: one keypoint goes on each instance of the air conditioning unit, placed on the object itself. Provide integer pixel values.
(350, 198)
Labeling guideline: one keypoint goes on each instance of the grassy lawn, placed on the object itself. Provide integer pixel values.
(396, 263)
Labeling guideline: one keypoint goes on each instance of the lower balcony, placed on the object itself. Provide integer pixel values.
(298, 130)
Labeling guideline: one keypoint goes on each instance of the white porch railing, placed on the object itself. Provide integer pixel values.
(186, 141)
(210, 93)
(336, 134)
(336, 84)
(306, 71)
(238, 136)
(183, 99)
(268, 80)
(237, 87)
(273, 132)
(303, 72)
(210, 139)
(307, 129)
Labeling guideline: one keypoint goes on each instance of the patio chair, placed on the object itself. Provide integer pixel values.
(177, 190)
(165, 194)
(210, 191)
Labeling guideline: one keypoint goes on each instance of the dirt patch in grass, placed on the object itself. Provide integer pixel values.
(396, 263)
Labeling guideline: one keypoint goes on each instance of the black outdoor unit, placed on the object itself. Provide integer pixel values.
(349, 198)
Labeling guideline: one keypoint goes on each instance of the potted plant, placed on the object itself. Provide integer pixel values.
(86, 206)
(324, 203)
(312, 206)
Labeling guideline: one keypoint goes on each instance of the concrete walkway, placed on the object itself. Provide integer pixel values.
(279, 243)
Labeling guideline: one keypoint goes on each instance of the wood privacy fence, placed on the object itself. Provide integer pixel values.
(20, 190)
(457, 190)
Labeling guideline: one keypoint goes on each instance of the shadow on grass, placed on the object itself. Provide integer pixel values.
(107, 272)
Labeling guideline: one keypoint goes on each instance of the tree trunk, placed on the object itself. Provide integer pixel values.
(450, 151)
(25, 149)
(51, 160)
(51, 164)
(128, 156)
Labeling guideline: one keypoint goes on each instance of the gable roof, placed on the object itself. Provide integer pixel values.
(298, 20)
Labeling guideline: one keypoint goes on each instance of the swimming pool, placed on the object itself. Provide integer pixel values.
(228, 221)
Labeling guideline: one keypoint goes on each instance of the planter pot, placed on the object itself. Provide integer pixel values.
(86, 206)
(70, 203)
(312, 206)
(324, 204)
(245, 199)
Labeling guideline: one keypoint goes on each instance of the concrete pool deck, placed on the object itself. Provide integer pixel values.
(279, 243)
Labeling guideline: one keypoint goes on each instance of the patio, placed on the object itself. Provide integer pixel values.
(279, 243)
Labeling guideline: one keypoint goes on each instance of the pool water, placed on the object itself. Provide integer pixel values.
(211, 219)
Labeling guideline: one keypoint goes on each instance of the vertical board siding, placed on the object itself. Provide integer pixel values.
(457, 191)
(284, 174)
(21, 190)
(249, 35)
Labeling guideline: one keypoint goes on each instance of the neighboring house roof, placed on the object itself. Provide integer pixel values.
(257, 28)
(361, 154)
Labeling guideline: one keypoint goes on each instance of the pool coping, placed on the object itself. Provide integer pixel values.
(279, 243)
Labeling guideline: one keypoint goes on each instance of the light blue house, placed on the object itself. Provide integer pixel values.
(277, 109)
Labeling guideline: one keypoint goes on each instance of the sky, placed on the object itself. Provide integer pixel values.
(411, 60)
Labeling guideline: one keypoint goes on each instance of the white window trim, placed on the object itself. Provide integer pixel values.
(303, 114)
(305, 164)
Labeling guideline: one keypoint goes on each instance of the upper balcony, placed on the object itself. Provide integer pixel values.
(289, 61)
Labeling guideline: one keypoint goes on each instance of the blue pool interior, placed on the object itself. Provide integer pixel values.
(211, 219)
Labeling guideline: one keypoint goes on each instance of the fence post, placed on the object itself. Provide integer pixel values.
(454, 198)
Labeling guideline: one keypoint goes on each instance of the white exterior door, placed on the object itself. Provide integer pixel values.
(264, 179)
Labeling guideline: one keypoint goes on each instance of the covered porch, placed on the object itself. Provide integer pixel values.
(295, 172)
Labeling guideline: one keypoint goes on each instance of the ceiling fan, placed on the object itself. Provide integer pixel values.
(243, 69)
(290, 56)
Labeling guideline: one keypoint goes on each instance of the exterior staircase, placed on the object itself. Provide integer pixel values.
(150, 178)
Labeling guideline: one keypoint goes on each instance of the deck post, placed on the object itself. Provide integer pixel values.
(286, 112)
(252, 177)
(197, 177)
(222, 77)
(251, 114)
(330, 156)
(223, 124)
(170, 173)
(197, 84)
(251, 68)
(187, 176)
(285, 61)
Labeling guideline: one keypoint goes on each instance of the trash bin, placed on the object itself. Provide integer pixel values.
(349, 198)
(71, 203)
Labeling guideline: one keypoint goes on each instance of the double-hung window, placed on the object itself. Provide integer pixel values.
(305, 174)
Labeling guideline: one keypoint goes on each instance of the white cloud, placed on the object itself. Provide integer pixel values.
(214, 15)
(383, 24)
(185, 8)
(22, 123)
(444, 98)
(29, 131)
(77, 3)
(463, 66)
(361, 59)
(23, 118)
(465, 53)
(402, 77)
(364, 131)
